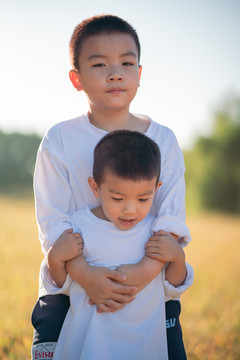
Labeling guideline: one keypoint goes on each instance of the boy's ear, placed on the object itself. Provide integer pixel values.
(139, 74)
(75, 79)
(158, 185)
(94, 187)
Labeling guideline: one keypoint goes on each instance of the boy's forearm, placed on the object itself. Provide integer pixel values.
(78, 269)
(176, 272)
(143, 272)
(150, 267)
(57, 269)
(67, 246)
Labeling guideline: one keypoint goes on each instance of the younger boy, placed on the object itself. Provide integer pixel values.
(126, 172)
(105, 53)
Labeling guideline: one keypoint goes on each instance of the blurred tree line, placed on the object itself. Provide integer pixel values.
(212, 165)
(17, 158)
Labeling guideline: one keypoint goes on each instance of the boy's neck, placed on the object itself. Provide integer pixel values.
(98, 212)
(118, 121)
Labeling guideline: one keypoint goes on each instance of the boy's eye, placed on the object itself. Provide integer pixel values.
(143, 200)
(99, 65)
(127, 63)
(116, 199)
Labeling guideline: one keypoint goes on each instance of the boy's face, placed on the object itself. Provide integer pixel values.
(109, 71)
(124, 202)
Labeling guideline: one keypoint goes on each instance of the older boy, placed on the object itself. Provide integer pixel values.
(105, 53)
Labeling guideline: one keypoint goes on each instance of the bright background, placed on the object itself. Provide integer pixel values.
(190, 58)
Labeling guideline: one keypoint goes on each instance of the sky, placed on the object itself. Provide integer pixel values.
(190, 58)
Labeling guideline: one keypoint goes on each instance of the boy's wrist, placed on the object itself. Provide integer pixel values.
(56, 268)
(53, 257)
(180, 258)
(141, 273)
(151, 267)
(176, 270)
(79, 270)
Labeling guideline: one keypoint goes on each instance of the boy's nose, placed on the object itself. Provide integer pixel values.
(129, 209)
(115, 74)
(115, 77)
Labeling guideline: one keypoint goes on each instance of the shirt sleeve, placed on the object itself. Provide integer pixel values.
(47, 285)
(174, 293)
(169, 201)
(53, 196)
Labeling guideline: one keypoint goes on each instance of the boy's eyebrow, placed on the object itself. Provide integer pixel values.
(118, 193)
(93, 56)
(115, 192)
(129, 53)
(147, 193)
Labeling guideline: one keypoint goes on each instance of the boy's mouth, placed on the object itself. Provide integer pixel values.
(127, 221)
(115, 91)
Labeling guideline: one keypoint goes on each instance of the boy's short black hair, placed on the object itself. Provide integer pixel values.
(128, 155)
(97, 25)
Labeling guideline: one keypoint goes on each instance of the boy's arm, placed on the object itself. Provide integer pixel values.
(53, 195)
(169, 201)
(176, 270)
(172, 292)
(68, 246)
(102, 285)
(144, 272)
(163, 247)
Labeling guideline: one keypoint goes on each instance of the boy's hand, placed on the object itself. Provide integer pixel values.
(68, 246)
(104, 286)
(162, 246)
(106, 291)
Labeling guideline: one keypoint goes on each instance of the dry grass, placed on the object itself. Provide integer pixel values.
(20, 258)
(210, 309)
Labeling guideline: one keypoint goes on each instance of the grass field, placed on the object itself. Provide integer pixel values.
(210, 309)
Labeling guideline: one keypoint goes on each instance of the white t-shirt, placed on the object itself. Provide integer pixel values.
(138, 331)
(64, 163)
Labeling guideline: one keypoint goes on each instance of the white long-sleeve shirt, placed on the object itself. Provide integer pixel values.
(64, 163)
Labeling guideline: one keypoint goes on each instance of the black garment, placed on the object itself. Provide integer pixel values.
(50, 311)
(176, 350)
(48, 316)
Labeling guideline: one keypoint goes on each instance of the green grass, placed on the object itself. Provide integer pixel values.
(210, 309)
